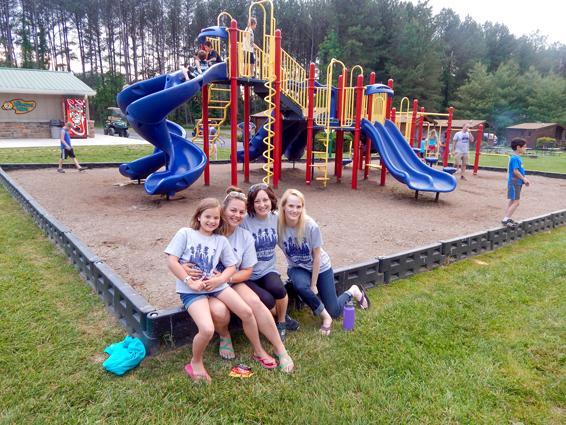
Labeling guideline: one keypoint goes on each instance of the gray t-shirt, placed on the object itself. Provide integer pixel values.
(242, 243)
(204, 252)
(299, 253)
(264, 233)
(462, 142)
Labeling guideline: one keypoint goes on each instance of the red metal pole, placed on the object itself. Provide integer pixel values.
(310, 121)
(357, 125)
(277, 100)
(339, 141)
(368, 143)
(247, 134)
(479, 138)
(421, 125)
(205, 134)
(389, 100)
(413, 122)
(393, 115)
(233, 31)
(447, 139)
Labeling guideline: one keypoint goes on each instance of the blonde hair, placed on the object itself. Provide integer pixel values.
(232, 193)
(432, 135)
(282, 222)
(206, 204)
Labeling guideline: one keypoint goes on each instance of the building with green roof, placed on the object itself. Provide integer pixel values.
(33, 100)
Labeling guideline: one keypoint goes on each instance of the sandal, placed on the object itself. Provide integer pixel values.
(286, 363)
(325, 330)
(226, 349)
(364, 298)
(197, 376)
(266, 362)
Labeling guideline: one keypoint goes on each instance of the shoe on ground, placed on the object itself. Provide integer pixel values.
(462, 177)
(82, 169)
(290, 323)
(282, 329)
(509, 223)
(60, 170)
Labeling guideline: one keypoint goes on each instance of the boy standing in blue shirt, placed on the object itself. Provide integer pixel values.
(67, 149)
(515, 180)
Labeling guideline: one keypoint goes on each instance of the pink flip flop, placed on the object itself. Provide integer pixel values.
(196, 376)
(266, 362)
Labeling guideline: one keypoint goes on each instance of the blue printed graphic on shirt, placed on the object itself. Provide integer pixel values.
(201, 258)
(298, 253)
(264, 232)
(265, 242)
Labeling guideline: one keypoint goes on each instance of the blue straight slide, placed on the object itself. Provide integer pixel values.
(402, 162)
(147, 105)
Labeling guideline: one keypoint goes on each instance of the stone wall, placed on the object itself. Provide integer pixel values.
(24, 130)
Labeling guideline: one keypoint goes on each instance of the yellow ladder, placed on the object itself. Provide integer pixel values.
(218, 100)
(322, 155)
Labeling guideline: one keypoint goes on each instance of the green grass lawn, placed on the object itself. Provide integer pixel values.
(122, 153)
(479, 341)
(543, 162)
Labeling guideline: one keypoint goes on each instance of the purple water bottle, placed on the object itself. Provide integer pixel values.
(349, 316)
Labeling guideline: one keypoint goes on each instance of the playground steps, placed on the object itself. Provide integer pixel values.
(217, 101)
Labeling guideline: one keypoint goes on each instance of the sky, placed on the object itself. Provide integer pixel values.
(520, 16)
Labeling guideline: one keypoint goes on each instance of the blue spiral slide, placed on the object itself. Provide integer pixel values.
(146, 105)
(402, 162)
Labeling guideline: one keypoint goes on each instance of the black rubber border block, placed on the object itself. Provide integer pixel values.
(408, 263)
(467, 246)
(365, 274)
(559, 218)
(541, 223)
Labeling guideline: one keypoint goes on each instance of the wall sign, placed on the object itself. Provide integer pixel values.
(19, 106)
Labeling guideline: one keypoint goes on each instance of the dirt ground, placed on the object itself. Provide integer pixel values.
(129, 229)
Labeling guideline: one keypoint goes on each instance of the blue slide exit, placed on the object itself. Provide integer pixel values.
(402, 162)
(147, 105)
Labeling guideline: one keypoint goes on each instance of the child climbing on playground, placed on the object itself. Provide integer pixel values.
(204, 248)
(309, 266)
(428, 145)
(249, 48)
(515, 180)
(201, 64)
(212, 56)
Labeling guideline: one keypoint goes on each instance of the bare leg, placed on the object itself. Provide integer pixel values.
(77, 163)
(281, 308)
(511, 207)
(326, 322)
(60, 163)
(221, 319)
(264, 319)
(235, 303)
(200, 313)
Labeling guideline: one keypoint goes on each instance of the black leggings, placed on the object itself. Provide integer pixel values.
(268, 288)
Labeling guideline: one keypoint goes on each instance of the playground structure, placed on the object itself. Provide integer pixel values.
(298, 107)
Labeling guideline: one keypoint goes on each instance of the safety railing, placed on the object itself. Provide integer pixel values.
(294, 80)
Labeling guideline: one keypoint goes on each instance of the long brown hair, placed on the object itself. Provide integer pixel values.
(205, 204)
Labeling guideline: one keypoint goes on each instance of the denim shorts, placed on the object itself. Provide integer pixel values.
(514, 191)
(188, 299)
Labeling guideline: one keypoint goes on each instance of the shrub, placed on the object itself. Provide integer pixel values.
(545, 143)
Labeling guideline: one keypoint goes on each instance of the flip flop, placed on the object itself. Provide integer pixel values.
(266, 362)
(286, 363)
(197, 377)
(226, 349)
(325, 330)
(364, 298)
